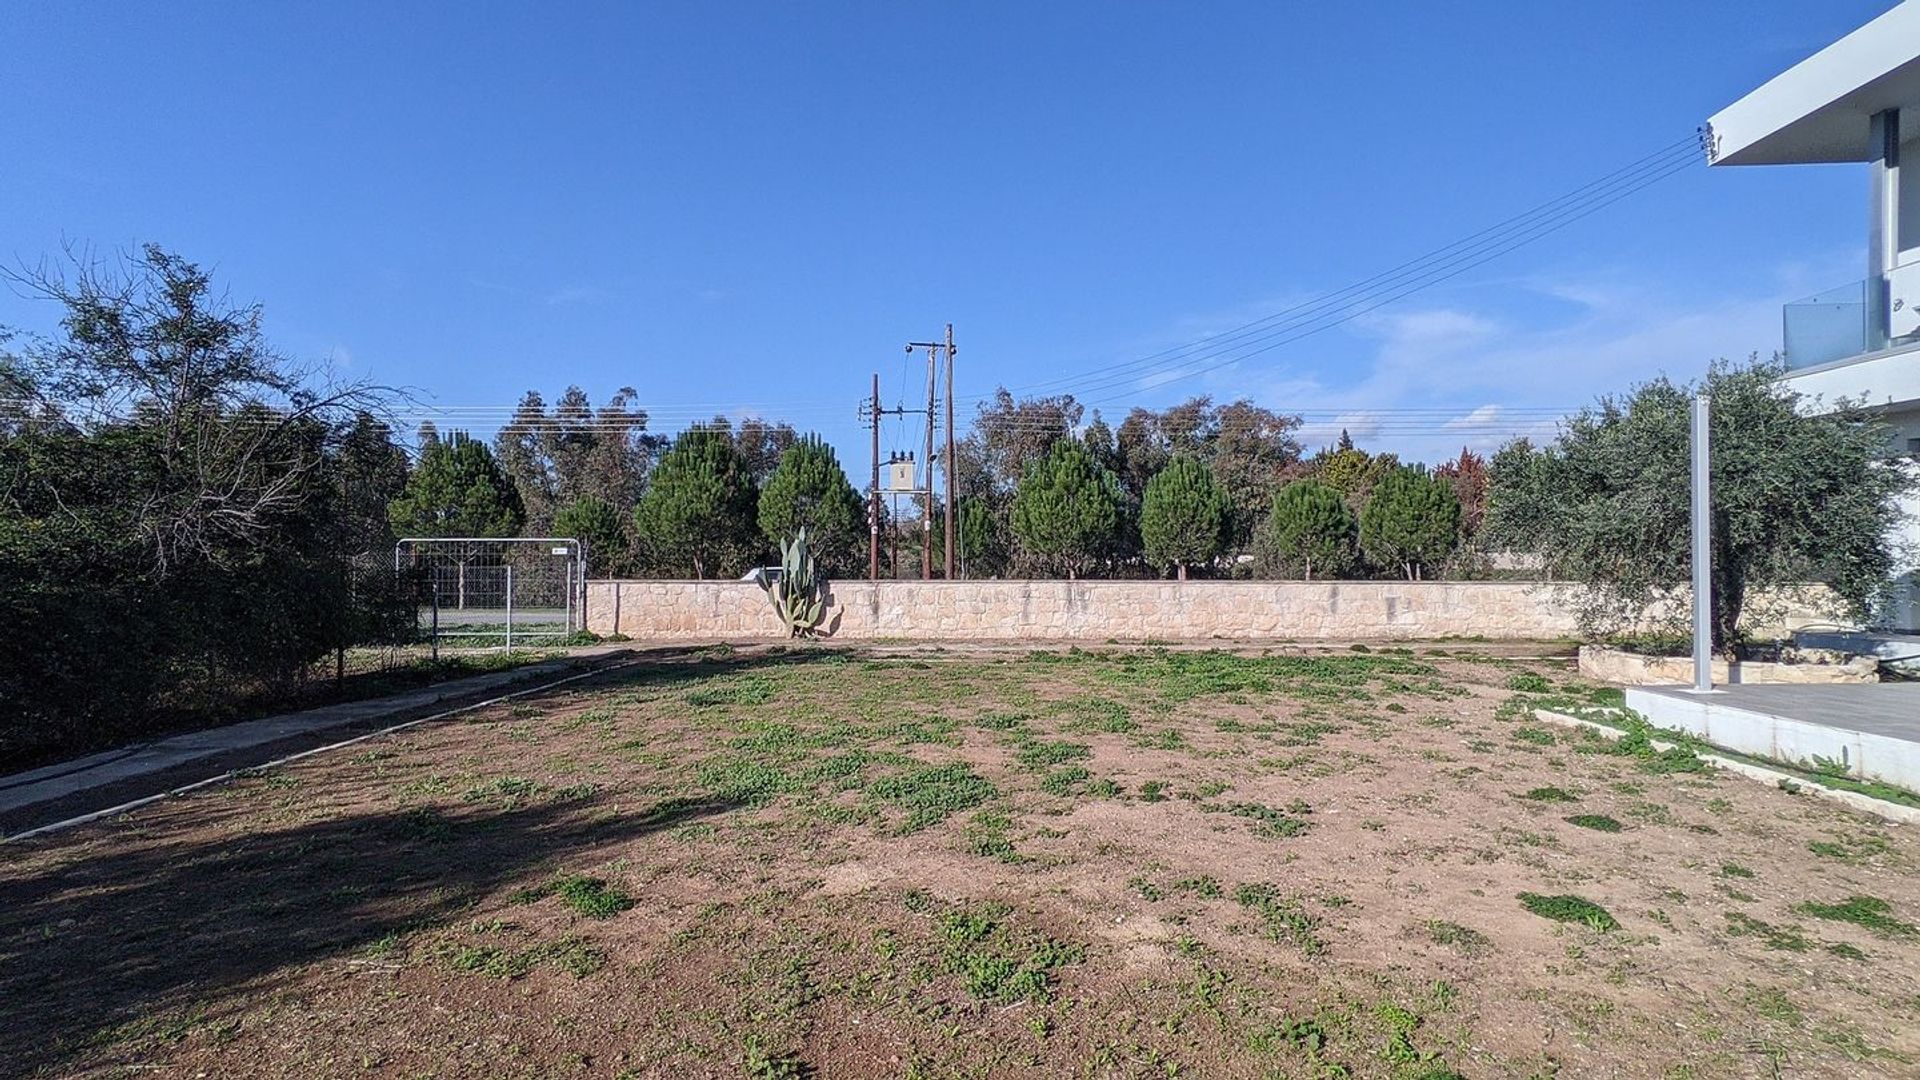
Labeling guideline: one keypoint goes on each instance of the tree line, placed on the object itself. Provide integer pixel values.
(188, 519)
(1198, 489)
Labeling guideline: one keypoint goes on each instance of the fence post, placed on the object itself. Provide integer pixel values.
(509, 607)
(433, 641)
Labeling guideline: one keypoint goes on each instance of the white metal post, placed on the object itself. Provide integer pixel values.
(509, 607)
(1702, 549)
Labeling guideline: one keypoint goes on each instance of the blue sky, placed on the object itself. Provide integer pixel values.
(751, 207)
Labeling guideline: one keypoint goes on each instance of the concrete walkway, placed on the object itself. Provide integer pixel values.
(51, 782)
(1872, 729)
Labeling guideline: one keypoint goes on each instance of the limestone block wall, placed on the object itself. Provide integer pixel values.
(1093, 611)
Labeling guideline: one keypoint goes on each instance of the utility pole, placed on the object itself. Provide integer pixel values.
(950, 458)
(933, 353)
(873, 492)
(926, 517)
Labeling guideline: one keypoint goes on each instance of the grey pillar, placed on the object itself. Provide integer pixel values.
(1883, 221)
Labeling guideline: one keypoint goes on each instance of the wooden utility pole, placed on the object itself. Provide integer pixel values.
(926, 519)
(949, 460)
(873, 492)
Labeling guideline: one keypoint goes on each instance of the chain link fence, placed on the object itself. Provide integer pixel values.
(478, 593)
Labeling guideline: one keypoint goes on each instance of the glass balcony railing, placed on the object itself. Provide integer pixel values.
(1826, 327)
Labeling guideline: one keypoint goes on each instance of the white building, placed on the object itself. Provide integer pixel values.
(1855, 100)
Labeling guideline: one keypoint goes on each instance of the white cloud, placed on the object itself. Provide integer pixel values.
(1422, 382)
(1480, 417)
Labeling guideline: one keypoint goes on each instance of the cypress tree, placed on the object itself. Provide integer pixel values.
(1182, 516)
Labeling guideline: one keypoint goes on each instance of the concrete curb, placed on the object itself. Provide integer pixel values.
(1852, 800)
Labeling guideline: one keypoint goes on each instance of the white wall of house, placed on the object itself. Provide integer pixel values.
(1891, 382)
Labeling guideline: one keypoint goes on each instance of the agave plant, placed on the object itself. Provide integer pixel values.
(798, 594)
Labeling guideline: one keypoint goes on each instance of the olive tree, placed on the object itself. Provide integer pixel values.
(1801, 493)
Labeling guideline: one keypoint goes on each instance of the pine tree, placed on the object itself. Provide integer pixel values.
(697, 516)
(1183, 516)
(457, 489)
(809, 490)
(1411, 521)
(1066, 511)
(597, 525)
(982, 539)
(1310, 529)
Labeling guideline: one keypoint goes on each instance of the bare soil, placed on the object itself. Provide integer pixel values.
(916, 863)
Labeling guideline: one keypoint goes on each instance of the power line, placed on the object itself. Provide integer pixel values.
(1423, 272)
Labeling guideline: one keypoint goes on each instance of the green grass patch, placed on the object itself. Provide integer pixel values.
(1548, 795)
(1596, 822)
(1870, 912)
(1000, 963)
(1783, 938)
(1527, 682)
(1462, 939)
(1283, 919)
(1045, 755)
(741, 690)
(1205, 886)
(1066, 780)
(1268, 821)
(932, 793)
(1568, 908)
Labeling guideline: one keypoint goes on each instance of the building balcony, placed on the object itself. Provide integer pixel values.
(1826, 327)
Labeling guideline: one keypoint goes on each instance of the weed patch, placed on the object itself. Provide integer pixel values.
(1784, 938)
(1596, 822)
(1462, 939)
(1568, 908)
(1548, 795)
(999, 963)
(1282, 918)
(1870, 912)
(1268, 821)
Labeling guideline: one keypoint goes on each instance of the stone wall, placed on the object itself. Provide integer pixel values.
(1098, 611)
(1092, 611)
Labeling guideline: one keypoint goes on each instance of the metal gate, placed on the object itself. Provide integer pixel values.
(493, 593)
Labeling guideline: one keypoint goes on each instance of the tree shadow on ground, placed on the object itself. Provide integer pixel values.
(671, 664)
(92, 949)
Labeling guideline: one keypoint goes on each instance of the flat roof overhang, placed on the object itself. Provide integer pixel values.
(1820, 109)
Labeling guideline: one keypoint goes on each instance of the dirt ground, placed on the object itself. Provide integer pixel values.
(830, 862)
